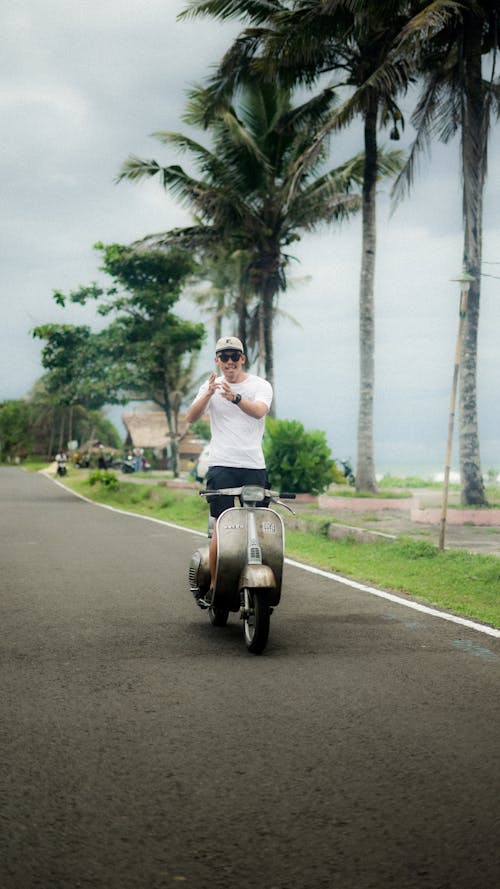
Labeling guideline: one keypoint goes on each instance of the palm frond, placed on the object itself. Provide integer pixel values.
(438, 112)
(241, 137)
(193, 238)
(256, 10)
(389, 162)
(429, 20)
(494, 95)
(405, 179)
(183, 143)
(136, 169)
(312, 111)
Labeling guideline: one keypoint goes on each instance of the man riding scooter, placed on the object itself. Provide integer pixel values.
(61, 460)
(237, 403)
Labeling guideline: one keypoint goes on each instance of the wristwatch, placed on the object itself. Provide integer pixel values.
(237, 399)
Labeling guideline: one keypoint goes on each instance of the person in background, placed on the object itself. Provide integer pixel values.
(138, 454)
(61, 460)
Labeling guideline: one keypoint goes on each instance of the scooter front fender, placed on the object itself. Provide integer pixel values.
(260, 577)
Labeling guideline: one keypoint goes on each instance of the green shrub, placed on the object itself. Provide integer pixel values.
(417, 549)
(105, 478)
(201, 429)
(297, 460)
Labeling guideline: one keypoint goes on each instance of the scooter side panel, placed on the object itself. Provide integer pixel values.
(232, 553)
(199, 571)
(271, 531)
(231, 556)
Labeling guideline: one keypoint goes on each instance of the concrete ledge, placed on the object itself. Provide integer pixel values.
(334, 531)
(339, 532)
(364, 504)
(484, 517)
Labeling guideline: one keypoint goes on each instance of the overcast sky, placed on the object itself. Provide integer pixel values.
(84, 84)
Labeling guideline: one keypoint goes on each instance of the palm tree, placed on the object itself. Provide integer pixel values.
(300, 43)
(252, 197)
(456, 96)
(226, 294)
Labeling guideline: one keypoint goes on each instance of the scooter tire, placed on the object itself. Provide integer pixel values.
(218, 616)
(256, 625)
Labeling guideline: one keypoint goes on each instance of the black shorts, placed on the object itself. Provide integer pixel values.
(232, 477)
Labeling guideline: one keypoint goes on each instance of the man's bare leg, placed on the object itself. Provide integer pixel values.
(212, 557)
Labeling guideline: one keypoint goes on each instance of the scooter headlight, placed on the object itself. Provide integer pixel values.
(252, 494)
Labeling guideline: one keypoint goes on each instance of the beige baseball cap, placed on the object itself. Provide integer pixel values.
(229, 342)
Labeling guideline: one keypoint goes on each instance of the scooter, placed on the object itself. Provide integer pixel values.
(250, 556)
(348, 472)
(61, 469)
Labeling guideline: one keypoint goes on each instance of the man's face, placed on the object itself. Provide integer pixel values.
(230, 362)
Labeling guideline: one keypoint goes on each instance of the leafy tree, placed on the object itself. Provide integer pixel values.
(202, 429)
(147, 352)
(54, 423)
(252, 197)
(80, 363)
(38, 424)
(16, 439)
(297, 460)
(47, 418)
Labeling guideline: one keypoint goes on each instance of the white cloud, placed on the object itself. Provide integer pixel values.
(83, 85)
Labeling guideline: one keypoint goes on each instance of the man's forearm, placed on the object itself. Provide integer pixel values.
(197, 408)
(255, 409)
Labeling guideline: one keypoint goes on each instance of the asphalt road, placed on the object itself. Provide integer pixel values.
(142, 748)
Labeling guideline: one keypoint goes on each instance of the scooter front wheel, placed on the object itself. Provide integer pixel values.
(256, 620)
(218, 616)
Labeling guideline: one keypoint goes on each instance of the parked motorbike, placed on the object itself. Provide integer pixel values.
(348, 472)
(250, 556)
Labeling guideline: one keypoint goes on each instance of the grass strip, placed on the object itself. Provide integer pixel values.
(455, 580)
(464, 583)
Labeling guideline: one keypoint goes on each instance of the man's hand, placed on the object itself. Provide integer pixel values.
(226, 391)
(212, 387)
(198, 407)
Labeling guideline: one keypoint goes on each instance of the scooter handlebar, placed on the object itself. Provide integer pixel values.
(235, 492)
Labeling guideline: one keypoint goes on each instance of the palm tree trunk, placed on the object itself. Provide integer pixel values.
(267, 319)
(474, 154)
(261, 347)
(61, 429)
(172, 431)
(218, 316)
(242, 315)
(50, 449)
(365, 468)
(70, 422)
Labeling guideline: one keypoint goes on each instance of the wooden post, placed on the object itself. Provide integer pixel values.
(465, 280)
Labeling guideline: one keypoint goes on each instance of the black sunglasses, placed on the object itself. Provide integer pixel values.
(229, 356)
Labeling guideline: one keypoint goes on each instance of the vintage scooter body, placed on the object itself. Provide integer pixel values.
(249, 570)
(249, 554)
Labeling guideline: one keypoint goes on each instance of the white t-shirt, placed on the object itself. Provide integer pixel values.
(237, 438)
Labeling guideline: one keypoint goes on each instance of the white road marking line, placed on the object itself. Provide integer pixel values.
(382, 594)
(372, 591)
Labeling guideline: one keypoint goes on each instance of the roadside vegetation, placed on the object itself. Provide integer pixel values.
(461, 582)
(394, 488)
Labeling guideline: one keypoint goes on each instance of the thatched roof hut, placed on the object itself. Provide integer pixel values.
(149, 430)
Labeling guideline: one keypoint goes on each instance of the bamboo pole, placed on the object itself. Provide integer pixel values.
(465, 281)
